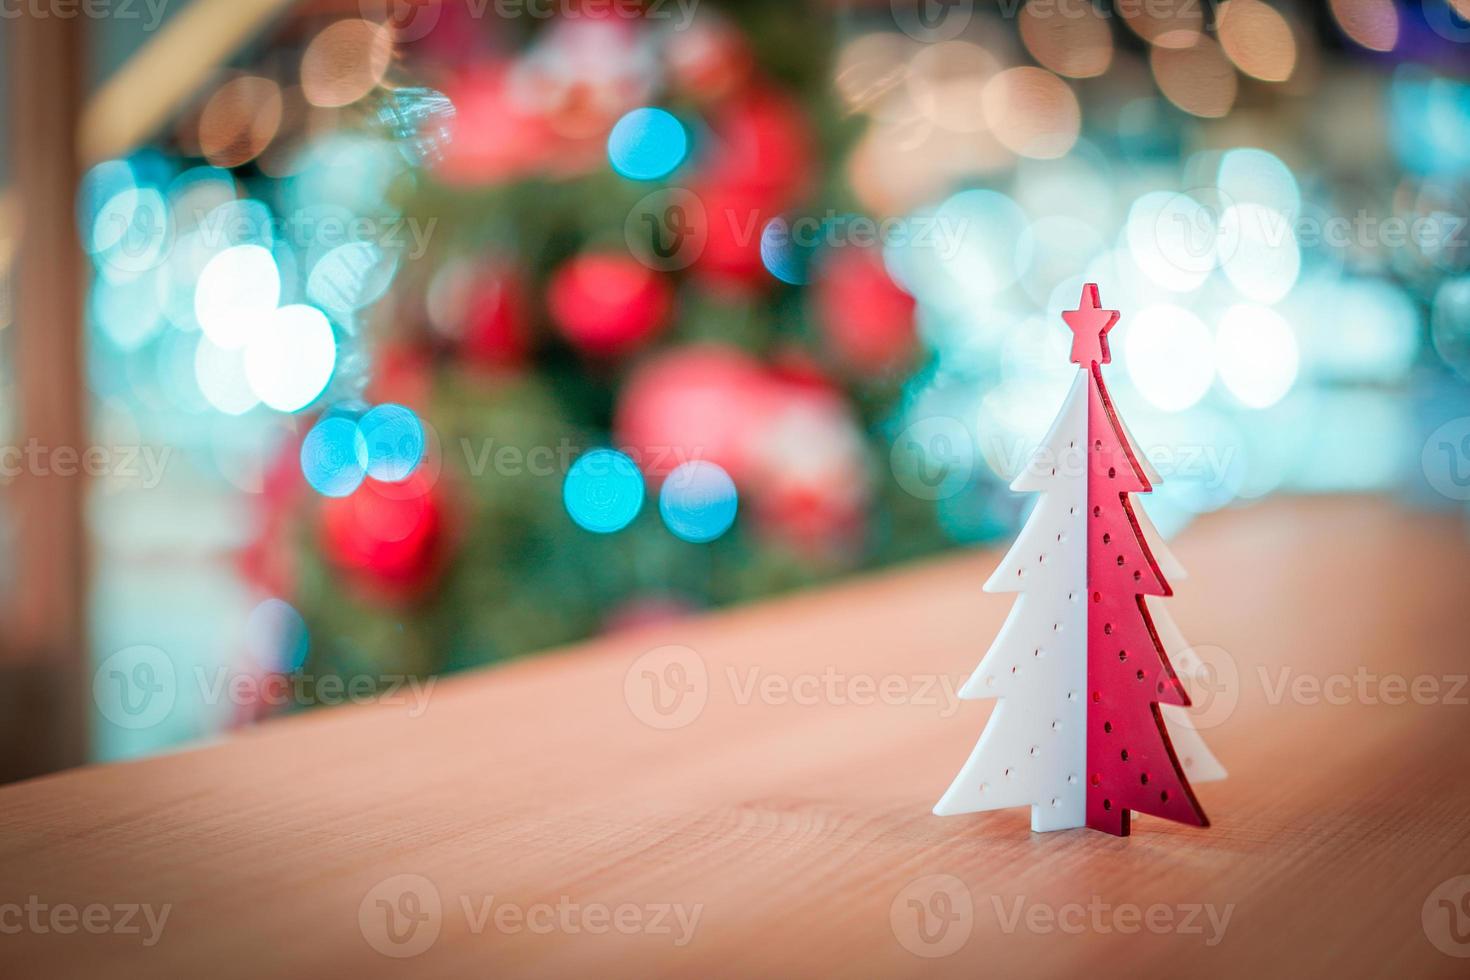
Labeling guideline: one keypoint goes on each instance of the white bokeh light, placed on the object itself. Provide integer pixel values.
(977, 236)
(220, 374)
(1251, 176)
(290, 357)
(1170, 356)
(1256, 351)
(236, 292)
(1265, 260)
(1173, 239)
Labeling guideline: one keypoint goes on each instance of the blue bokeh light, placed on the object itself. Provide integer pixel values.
(395, 442)
(782, 255)
(334, 456)
(277, 637)
(603, 491)
(647, 144)
(698, 501)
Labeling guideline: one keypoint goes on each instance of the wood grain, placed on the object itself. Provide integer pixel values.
(799, 828)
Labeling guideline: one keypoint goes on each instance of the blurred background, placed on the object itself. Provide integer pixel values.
(351, 342)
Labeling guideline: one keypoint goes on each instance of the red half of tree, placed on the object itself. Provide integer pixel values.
(1131, 763)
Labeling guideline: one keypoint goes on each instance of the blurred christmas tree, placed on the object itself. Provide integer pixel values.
(720, 311)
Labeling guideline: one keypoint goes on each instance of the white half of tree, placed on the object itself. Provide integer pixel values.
(1033, 751)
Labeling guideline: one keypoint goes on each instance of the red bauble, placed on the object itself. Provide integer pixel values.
(866, 320)
(606, 304)
(389, 537)
(402, 374)
(494, 136)
(809, 483)
(734, 217)
(788, 440)
(699, 402)
(481, 307)
(758, 164)
(710, 60)
(761, 142)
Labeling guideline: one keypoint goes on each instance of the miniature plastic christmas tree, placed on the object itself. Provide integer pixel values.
(1081, 668)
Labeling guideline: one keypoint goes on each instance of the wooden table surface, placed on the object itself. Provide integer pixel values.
(765, 811)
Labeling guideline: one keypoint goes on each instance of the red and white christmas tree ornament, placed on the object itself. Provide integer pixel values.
(1090, 724)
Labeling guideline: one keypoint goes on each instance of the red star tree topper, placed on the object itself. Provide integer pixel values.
(1082, 666)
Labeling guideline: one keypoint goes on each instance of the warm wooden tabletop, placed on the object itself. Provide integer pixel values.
(546, 819)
